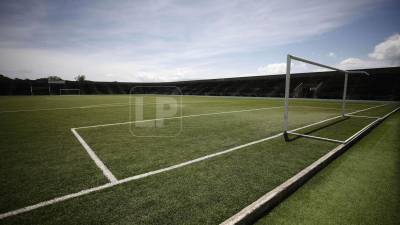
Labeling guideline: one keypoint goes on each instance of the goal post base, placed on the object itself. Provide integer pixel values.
(286, 136)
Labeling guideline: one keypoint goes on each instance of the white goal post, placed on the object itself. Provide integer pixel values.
(67, 91)
(287, 87)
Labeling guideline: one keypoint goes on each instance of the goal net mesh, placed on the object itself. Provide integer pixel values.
(322, 106)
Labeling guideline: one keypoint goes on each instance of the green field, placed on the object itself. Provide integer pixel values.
(235, 142)
(360, 187)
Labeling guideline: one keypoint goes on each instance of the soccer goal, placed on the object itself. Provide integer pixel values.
(65, 91)
(297, 90)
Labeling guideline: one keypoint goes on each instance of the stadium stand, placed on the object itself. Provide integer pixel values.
(383, 84)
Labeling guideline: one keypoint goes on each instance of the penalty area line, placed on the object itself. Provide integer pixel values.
(95, 158)
(178, 117)
(128, 179)
(66, 108)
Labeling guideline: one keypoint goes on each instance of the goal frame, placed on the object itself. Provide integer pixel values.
(70, 89)
(287, 90)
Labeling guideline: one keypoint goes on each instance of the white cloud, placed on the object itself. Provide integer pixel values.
(280, 68)
(273, 68)
(389, 50)
(133, 39)
(43, 63)
(332, 54)
(352, 63)
(386, 53)
(357, 63)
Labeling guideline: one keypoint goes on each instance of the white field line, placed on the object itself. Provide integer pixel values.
(238, 217)
(55, 200)
(124, 104)
(136, 177)
(75, 107)
(326, 120)
(369, 117)
(95, 158)
(103, 106)
(371, 124)
(140, 176)
(178, 117)
(316, 137)
(102, 166)
(314, 107)
(362, 130)
(362, 110)
(316, 123)
(65, 108)
(282, 98)
(332, 108)
(335, 117)
(193, 115)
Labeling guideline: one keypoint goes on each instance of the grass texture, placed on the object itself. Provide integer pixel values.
(360, 187)
(41, 159)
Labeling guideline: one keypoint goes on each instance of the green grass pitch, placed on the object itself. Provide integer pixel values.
(360, 187)
(42, 159)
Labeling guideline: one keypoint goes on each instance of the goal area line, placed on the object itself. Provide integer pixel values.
(119, 104)
(178, 117)
(151, 173)
(292, 132)
(268, 201)
(106, 105)
(346, 73)
(315, 137)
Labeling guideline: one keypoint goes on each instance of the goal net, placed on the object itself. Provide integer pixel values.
(70, 91)
(317, 106)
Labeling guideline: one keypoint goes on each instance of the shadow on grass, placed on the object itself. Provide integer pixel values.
(287, 138)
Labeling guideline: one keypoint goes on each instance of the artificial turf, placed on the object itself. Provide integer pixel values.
(41, 159)
(360, 187)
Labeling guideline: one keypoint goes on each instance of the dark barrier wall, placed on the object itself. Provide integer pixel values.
(382, 84)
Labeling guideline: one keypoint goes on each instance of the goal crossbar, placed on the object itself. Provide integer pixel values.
(287, 86)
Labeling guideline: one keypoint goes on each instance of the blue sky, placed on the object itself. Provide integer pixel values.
(167, 40)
